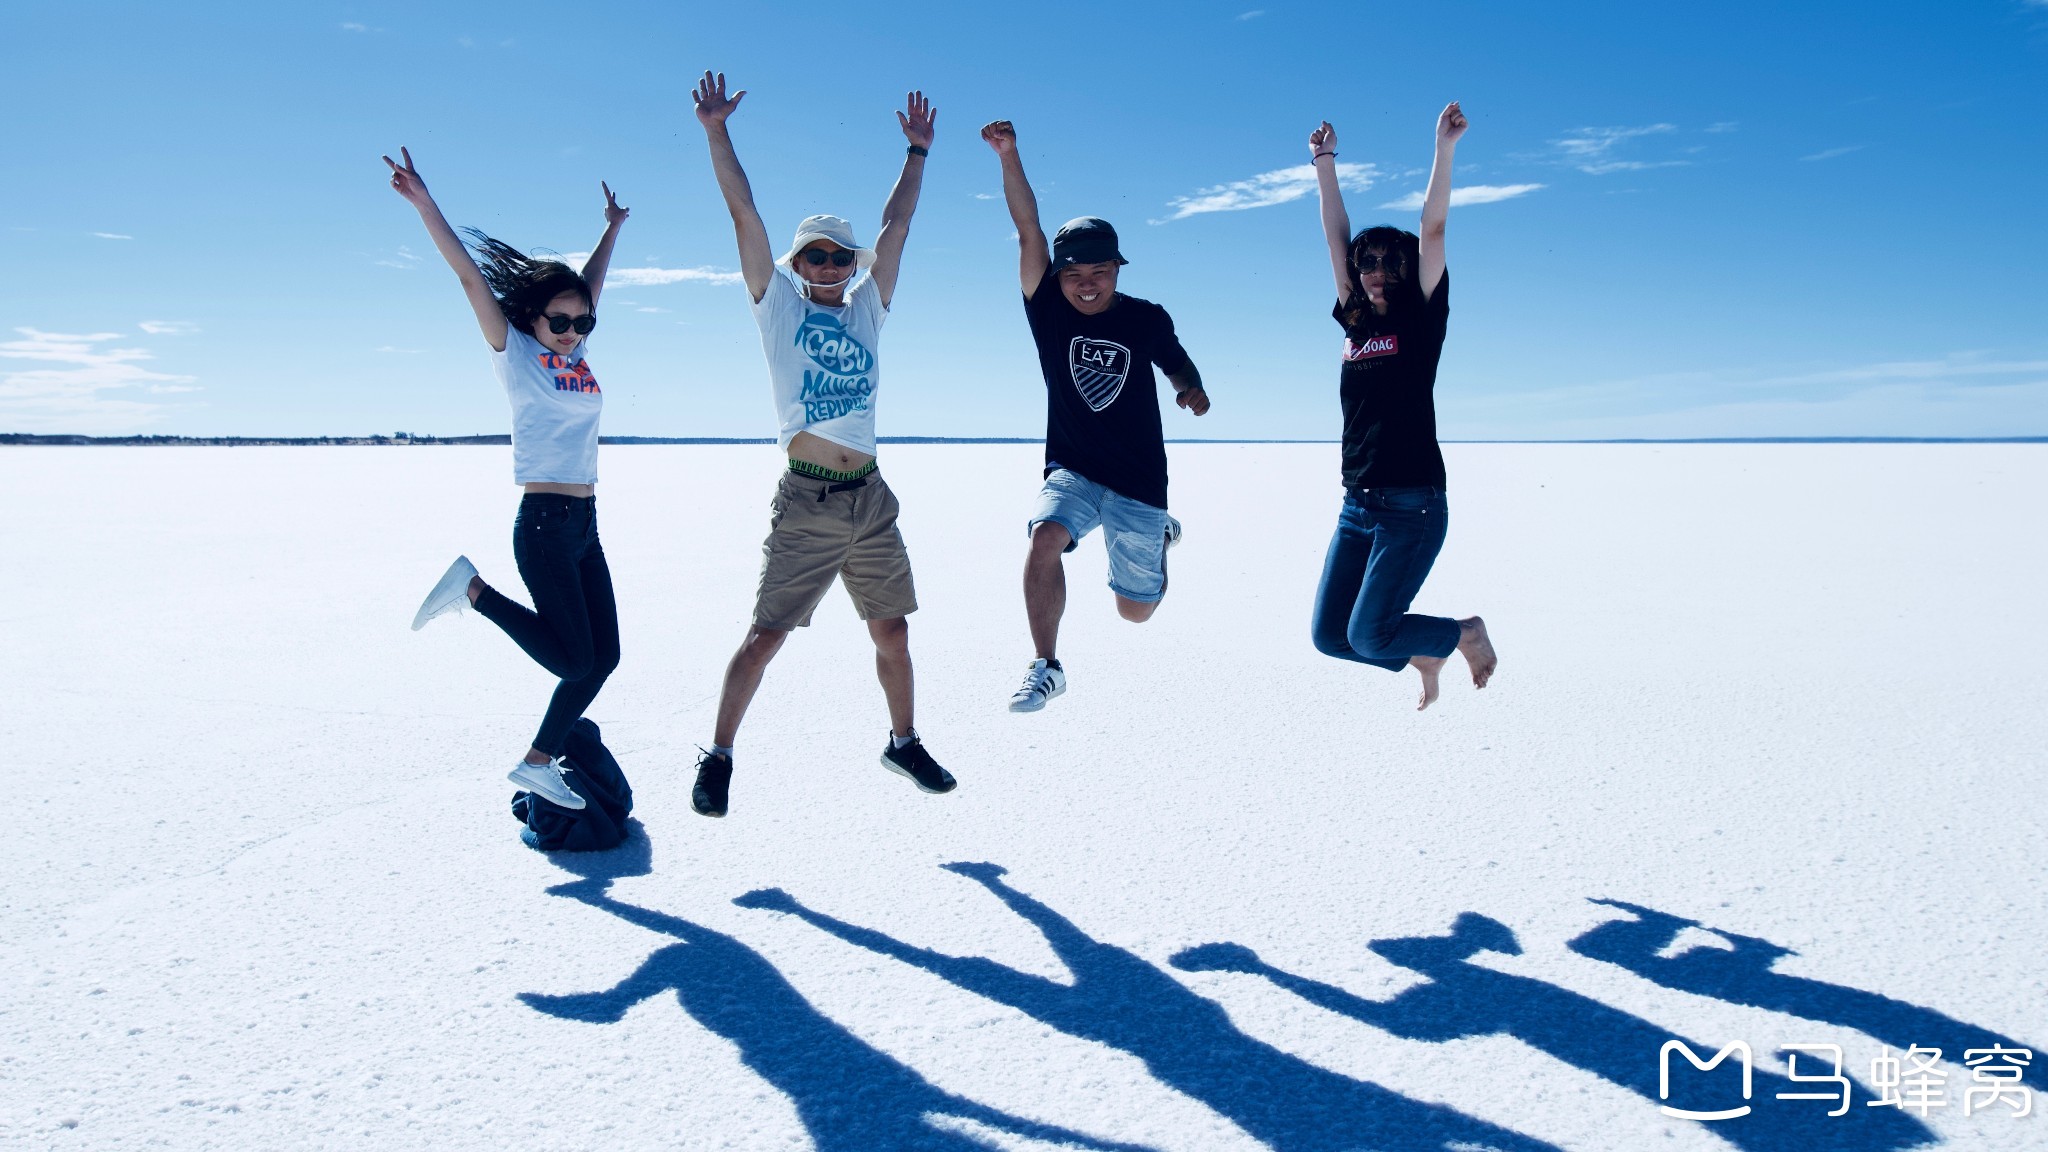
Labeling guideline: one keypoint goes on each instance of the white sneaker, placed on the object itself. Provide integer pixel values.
(1172, 531)
(450, 595)
(545, 781)
(1042, 682)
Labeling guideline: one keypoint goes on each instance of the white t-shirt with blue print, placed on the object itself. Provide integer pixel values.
(821, 362)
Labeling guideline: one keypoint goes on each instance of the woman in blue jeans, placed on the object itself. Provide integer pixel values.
(1393, 301)
(535, 315)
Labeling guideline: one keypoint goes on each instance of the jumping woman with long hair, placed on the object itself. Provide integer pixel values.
(536, 314)
(1393, 301)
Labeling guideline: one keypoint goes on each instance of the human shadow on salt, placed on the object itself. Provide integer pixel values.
(1186, 1040)
(849, 1095)
(1462, 999)
(1743, 975)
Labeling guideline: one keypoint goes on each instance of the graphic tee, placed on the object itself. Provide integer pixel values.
(1388, 389)
(1101, 399)
(555, 407)
(821, 362)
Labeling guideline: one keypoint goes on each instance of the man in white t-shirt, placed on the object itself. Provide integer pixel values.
(833, 515)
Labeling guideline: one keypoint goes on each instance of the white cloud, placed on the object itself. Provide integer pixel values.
(1720, 126)
(1255, 13)
(648, 277)
(986, 196)
(113, 236)
(352, 26)
(168, 327)
(1470, 194)
(1831, 153)
(1590, 150)
(404, 258)
(66, 394)
(1279, 186)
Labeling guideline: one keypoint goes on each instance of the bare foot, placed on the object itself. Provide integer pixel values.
(476, 589)
(1478, 650)
(1429, 666)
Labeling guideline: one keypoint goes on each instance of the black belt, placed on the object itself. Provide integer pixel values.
(842, 486)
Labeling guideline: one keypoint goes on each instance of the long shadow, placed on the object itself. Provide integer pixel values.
(1744, 976)
(851, 1096)
(1464, 999)
(1186, 1040)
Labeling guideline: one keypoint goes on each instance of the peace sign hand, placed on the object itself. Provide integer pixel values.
(406, 181)
(713, 106)
(1001, 135)
(918, 119)
(613, 214)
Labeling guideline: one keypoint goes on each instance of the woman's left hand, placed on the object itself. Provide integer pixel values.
(918, 119)
(613, 214)
(1450, 124)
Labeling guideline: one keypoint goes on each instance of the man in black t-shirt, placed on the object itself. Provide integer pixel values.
(1105, 453)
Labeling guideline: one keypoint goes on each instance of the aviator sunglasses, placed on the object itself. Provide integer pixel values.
(818, 257)
(558, 323)
(1377, 262)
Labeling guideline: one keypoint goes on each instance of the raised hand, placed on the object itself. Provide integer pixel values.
(918, 119)
(406, 181)
(1323, 139)
(713, 105)
(1450, 124)
(1001, 136)
(613, 214)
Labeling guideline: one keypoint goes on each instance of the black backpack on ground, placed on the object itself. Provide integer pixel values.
(608, 800)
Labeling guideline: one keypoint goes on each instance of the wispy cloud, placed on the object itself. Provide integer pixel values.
(352, 26)
(168, 327)
(1470, 194)
(1254, 14)
(1592, 150)
(648, 277)
(1720, 126)
(66, 392)
(1279, 186)
(113, 236)
(1831, 153)
(404, 258)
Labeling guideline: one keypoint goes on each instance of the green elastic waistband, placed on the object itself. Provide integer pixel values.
(806, 468)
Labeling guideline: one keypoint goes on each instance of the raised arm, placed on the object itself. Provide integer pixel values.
(601, 256)
(757, 259)
(1436, 203)
(1322, 144)
(918, 120)
(407, 183)
(1033, 255)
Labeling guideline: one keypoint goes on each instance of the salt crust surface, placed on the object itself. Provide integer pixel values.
(263, 891)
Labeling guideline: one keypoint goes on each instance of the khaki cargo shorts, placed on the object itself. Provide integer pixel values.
(816, 533)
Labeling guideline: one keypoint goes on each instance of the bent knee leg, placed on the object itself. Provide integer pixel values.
(1136, 611)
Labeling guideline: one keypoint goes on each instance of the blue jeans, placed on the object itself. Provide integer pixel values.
(572, 630)
(1386, 540)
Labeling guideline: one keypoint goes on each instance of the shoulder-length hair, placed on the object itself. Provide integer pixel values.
(522, 283)
(1405, 294)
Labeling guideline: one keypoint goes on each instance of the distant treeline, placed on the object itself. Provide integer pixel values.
(407, 438)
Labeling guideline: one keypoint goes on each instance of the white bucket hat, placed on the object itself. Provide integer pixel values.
(831, 228)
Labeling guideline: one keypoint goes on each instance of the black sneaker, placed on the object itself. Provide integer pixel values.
(914, 762)
(714, 774)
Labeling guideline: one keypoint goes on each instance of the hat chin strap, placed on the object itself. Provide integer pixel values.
(809, 284)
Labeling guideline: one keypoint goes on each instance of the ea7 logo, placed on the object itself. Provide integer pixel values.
(1100, 368)
(1691, 1057)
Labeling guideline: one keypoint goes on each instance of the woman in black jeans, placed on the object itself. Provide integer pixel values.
(535, 315)
(1393, 301)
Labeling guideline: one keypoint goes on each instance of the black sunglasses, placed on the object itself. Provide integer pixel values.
(1378, 262)
(558, 323)
(817, 257)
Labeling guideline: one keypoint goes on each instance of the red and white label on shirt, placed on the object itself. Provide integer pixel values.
(1388, 345)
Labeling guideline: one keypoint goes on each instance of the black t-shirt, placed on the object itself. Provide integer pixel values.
(1388, 391)
(1101, 399)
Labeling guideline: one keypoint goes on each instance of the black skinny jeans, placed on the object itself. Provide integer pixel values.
(572, 630)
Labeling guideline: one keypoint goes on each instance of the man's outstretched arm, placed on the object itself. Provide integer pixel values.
(1033, 255)
(918, 120)
(757, 259)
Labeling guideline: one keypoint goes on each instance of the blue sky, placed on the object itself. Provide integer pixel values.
(1731, 220)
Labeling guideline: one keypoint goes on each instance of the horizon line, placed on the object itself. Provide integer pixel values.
(62, 439)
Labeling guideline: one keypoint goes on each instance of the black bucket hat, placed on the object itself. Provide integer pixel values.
(1085, 240)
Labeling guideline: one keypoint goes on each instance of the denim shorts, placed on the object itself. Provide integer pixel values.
(1133, 532)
